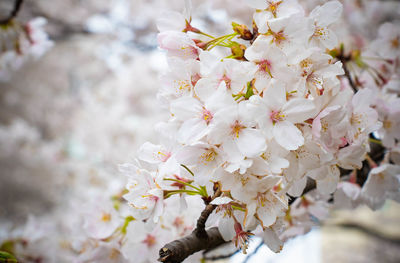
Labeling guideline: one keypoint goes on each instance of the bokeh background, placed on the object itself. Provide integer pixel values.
(68, 118)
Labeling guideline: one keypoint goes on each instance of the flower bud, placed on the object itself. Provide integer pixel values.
(243, 31)
(238, 50)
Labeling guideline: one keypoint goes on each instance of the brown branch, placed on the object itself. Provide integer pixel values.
(14, 12)
(178, 250)
(348, 76)
(201, 222)
(200, 239)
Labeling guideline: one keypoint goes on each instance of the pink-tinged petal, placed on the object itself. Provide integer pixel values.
(266, 214)
(205, 88)
(251, 142)
(298, 187)
(152, 153)
(185, 107)
(276, 164)
(221, 200)
(192, 130)
(298, 110)
(275, 95)
(226, 228)
(328, 185)
(328, 38)
(171, 20)
(257, 4)
(327, 13)
(288, 135)
(316, 124)
(362, 99)
(233, 154)
(272, 240)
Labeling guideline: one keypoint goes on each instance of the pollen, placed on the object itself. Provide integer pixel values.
(278, 37)
(276, 116)
(395, 43)
(236, 128)
(273, 7)
(114, 254)
(207, 116)
(261, 199)
(265, 66)
(319, 32)
(387, 124)
(227, 81)
(355, 119)
(208, 156)
(163, 156)
(182, 86)
(106, 217)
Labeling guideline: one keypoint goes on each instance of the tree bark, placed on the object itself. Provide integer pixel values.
(178, 250)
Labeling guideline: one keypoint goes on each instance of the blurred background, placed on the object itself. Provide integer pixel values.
(70, 117)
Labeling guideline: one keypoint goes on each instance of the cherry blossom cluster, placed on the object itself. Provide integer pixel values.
(256, 117)
(20, 42)
(256, 113)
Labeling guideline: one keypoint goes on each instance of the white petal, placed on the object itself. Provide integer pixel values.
(272, 240)
(258, 4)
(192, 130)
(226, 228)
(275, 95)
(251, 142)
(298, 110)
(288, 135)
(328, 13)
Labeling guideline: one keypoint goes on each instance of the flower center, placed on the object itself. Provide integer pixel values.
(150, 240)
(265, 66)
(106, 217)
(163, 156)
(207, 116)
(227, 81)
(208, 156)
(277, 37)
(276, 116)
(319, 32)
(182, 86)
(273, 7)
(236, 128)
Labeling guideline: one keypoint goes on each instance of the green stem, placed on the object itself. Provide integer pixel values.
(187, 169)
(375, 141)
(182, 182)
(190, 192)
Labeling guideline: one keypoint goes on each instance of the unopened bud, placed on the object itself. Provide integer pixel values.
(243, 31)
(238, 50)
(200, 44)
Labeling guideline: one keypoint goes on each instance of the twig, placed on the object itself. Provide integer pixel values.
(14, 12)
(201, 222)
(348, 76)
(200, 239)
(178, 250)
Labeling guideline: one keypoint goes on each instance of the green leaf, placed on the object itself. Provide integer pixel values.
(7, 257)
